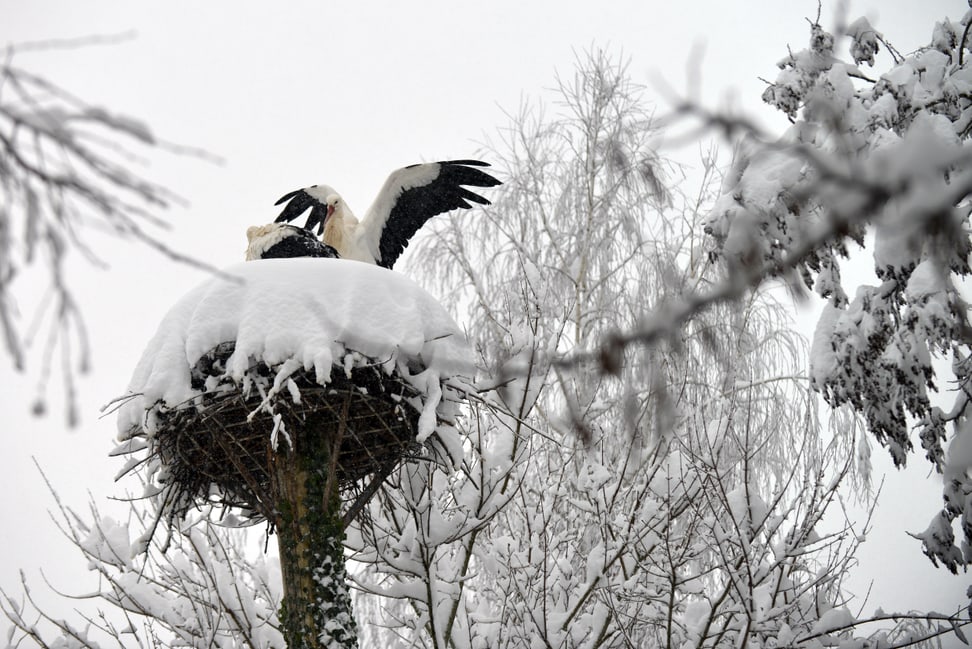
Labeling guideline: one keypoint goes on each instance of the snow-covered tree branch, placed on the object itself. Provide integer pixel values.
(883, 163)
(67, 168)
(196, 586)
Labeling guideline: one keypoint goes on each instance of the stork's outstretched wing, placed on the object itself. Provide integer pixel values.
(299, 201)
(413, 195)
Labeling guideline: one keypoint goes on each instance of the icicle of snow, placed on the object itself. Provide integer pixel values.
(279, 427)
(293, 390)
(281, 380)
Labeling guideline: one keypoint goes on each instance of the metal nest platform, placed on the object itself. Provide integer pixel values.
(219, 450)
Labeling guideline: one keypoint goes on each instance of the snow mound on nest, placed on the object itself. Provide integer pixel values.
(293, 314)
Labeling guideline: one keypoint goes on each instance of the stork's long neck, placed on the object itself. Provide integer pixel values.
(338, 231)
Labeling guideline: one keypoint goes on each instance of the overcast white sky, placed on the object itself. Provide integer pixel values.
(342, 93)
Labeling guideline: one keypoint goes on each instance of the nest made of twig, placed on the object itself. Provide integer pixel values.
(220, 449)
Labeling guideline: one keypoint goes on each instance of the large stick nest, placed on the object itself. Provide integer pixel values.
(220, 448)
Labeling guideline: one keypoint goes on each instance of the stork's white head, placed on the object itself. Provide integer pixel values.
(336, 206)
(320, 192)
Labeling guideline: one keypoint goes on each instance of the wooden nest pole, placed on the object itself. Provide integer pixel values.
(316, 610)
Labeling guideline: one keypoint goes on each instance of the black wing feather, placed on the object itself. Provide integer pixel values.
(299, 202)
(417, 205)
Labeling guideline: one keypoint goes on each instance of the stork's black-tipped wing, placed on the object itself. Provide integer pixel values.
(285, 240)
(298, 202)
(413, 195)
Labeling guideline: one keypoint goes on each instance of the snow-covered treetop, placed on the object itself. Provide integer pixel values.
(292, 315)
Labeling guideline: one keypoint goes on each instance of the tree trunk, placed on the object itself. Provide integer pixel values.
(316, 610)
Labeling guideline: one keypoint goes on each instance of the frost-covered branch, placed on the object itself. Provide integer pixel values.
(198, 587)
(884, 164)
(66, 168)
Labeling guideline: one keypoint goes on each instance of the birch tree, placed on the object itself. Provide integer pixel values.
(669, 494)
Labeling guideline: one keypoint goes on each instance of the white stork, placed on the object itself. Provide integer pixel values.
(411, 196)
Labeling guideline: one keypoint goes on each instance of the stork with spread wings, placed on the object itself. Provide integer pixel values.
(411, 196)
